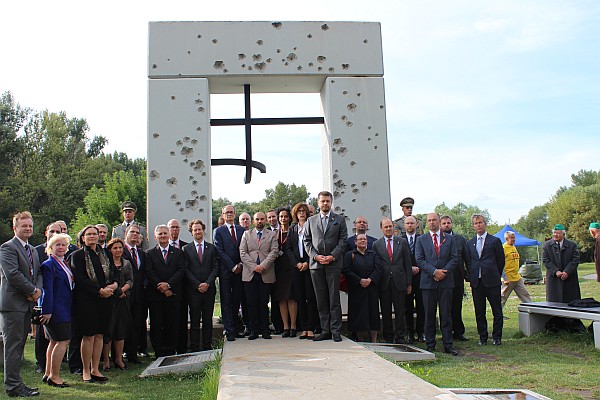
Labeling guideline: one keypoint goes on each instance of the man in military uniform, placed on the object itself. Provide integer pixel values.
(407, 204)
(129, 209)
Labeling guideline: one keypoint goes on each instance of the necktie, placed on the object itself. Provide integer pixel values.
(134, 257)
(174, 244)
(389, 248)
(28, 250)
(558, 253)
(233, 235)
(200, 252)
(165, 254)
(435, 245)
(479, 246)
(324, 219)
(411, 244)
(259, 234)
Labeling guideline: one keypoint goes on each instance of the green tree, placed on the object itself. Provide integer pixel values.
(585, 178)
(283, 195)
(461, 218)
(535, 223)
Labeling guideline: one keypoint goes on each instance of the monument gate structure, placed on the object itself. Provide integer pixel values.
(189, 61)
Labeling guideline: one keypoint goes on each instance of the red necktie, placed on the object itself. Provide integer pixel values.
(164, 252)
(389, 248)
(233, 235)
(435, 245)
(200, 252)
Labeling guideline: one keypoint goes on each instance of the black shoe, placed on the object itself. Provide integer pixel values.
(22, 391)
(451, 350)
(98, 378)
(461, 338)
(58, 385)
(32, 389)
(230, 337)
(293, 333)
(482, 342)
(431, 349)
(267, 335)
(322, 336)
(337, 337)
(246, 332)
(497, 342)
(410, 340)
(286, 333)
(400, 341)
(44, 378)
(253, 336)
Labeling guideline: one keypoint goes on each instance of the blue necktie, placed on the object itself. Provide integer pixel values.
(411, 244)
(164, 252)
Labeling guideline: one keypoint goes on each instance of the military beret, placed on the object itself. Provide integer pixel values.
(407, 201)
(128, 205)
(559, 227)
(594, 225)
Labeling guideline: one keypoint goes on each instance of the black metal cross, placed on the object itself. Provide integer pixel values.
(248, 121)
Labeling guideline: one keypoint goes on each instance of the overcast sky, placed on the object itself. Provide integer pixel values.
(491, 103)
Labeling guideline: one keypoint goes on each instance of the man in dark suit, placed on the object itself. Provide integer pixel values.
(485, 262)
(414, 300)
(325, 241)
(227, 240)
(561, 258)
(259, 250)
(137, 343)
(458, 326)
(129, 209)
(395, 281)
(361, 226)
(20, 288)
(200, 289)
(184, 310)
(165, 268)
(436, 257)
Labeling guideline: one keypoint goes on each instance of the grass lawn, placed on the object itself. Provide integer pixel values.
(560, 366)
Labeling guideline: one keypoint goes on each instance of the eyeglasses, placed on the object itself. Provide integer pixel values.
(174, 227)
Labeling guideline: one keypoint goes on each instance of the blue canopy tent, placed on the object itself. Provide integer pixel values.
(521, 241)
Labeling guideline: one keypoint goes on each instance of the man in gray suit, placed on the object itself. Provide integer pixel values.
(20, 287)
(129, 209)
(396, 280)
(325, 241)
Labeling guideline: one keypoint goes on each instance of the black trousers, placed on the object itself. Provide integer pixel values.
(184, 316)
(231, 292)
(202, 306)
(458, 326)
(414, 302)
(308, 315)
(164, 324)
(388, 297)
(257, 298)
(74, 354)
(431, 299)
(41, 345)
(493, 296)
(138, 340)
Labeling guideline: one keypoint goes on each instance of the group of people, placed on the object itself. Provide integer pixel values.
(95, 296)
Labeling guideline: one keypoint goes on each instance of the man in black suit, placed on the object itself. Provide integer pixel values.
(227, 240)
(485, 262)
(165, 268)
(458, 326)
(414, 300)
(137, 343)
(395, 281)
(201, 272)
(436, 256)
(20, 288)
(184, 310)
(325, 241)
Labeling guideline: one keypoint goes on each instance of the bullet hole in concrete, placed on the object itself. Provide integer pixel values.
(198, 128)
(363, 184)
(376, 133)
(338, 208)
(336, 195)
(199, 37)
(358, 94)
(332, 81)
(194, 192)
(286, 63)
(168, 59)
(352, 163)
(335, 176)
(276, 25)
(355, 191)
(269, 60)
(310, 64)
(214, 41)
(365, 41)
(292, 57)
(368, 139)
(309, 36)
(320, 69)
(369, 127)
(299, 67)
(172, 97)
(259, 42)
(181, 209)
(177, 203)
(191, 178)
(194, 183)
(191, 204)
(154, 66)
(185, 160)
(260, 66)
(333, 150)
(381, 107)
(184, 221)
(354, 200)
(279, 50)
(219, 64)
(155, 135)
(203, 198)
(198, 101)
(331, 69)
(189, 52)
(295, 48)
(283, 60)
(225, 70)
(375, 147)
(249, 68)
(339, 184)
(154, 175)
(173, 197)
(199, 165)
(179, 143)
(172, 181)
(342, 151)
(201, 109)
(353, 185)
(187, 151)
(337, 141)
(325, 27)
(203, 174)
(349, 124)
(385, 209)
(186, 139)
(345, 66)
(243, 65)
(201, 210)
(256, 57)
(321, 59)
(194, 141)
(336, 171)
(241, 56)
(351, 107)
(172, 153)
(345, 92)
(344, 118)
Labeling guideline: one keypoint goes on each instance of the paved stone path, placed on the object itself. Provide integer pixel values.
(298, 369)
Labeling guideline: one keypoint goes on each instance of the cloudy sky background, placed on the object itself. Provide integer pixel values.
(489, 103)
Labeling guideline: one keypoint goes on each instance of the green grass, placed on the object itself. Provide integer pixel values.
(560, 366)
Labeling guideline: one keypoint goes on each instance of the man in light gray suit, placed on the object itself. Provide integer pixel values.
(20, 287)
(325, 241)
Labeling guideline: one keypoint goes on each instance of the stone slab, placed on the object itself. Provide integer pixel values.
(399, 352)
(590, 277)
(288, 368)
(180, 363)
(498, 394)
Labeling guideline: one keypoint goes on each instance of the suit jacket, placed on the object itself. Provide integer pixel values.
(251, 250)
(293, 247)
(556, 289)
(352, 242)
(227, 250)
(58, 296)
(140, 283)
(181, 243)
(491, 262)
(15, 280)
(119, 231)
(460, 273)
(428, 261)
(197, 272)
(399, 268)
(331, 242)
(158, 270)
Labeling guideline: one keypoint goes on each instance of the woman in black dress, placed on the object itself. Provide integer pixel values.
(284, 290)
(120, 323)
(91, 305)
(362, 271)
